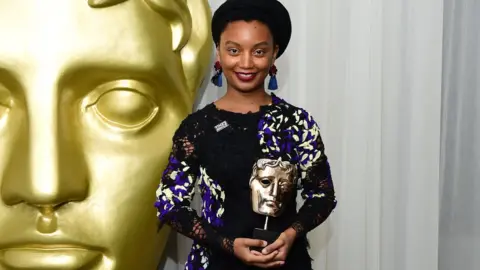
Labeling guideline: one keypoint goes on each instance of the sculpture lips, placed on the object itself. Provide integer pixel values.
(45, 257)
(272, 204)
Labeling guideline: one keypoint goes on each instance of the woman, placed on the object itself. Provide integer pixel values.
(222, 144)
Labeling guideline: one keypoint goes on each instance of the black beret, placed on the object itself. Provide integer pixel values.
(270, 12)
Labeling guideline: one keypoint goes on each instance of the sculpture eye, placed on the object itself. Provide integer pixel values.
(123, 105)
(285, 185)
(5, 106)
(103, 3)
(4, 110)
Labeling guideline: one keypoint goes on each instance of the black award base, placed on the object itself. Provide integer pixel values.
(268, 236)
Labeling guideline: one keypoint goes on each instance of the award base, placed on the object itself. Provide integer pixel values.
(265, 235)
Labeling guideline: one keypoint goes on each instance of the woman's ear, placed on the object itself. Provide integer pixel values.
(217, 52)
(275, 52)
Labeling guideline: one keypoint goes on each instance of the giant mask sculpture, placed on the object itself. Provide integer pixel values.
(91, 93)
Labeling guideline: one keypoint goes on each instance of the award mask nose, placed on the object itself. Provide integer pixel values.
(274, 189)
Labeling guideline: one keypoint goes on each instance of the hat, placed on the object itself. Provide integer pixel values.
(270, 12)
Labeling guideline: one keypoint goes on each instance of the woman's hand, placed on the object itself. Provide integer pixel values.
(282, 245)
(241, 249)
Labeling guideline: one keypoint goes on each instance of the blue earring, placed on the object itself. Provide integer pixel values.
(272, 84)
(217, 78)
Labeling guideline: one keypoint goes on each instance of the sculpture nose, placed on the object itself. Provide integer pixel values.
(274, 189)
(45, 167)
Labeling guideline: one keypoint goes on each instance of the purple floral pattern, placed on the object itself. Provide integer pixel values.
(213, 198)
(198, 258)
(168, 194)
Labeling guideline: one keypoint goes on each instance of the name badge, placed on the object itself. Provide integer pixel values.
(221, 126)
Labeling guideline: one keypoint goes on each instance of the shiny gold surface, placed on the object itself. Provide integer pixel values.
(52, 258)
(90, 95)
(272, 183)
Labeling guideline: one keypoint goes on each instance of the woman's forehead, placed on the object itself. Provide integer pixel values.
(246, 32)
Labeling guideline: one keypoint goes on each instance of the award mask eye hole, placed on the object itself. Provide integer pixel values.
(265, 181)
(285, 186)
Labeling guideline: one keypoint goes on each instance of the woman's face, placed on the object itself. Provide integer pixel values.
(246, 52)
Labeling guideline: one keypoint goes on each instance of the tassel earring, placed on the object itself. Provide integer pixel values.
(217, 78)
(272, 84)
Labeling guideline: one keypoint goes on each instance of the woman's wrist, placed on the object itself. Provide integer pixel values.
(298, 228)
(291, 233)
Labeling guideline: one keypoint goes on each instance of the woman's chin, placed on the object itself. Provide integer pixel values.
(248, 87)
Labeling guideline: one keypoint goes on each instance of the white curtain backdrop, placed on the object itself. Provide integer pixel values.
(370, 72)
(460, 199)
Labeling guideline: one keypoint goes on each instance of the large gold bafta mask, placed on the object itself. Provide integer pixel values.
(90, 95)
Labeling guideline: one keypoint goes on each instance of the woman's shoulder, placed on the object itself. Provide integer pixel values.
(293, 111)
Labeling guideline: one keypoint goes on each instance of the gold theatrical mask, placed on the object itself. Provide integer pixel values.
(272, 184)
(90, 95)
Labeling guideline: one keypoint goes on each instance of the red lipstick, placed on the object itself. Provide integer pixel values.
(245, 77)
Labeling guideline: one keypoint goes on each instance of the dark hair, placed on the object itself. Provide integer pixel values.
(242, 15)
(270, 12)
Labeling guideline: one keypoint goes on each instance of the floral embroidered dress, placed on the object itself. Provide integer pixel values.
(217, 149)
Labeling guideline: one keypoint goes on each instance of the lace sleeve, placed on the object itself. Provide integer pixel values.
(316, 180)
(176, 191)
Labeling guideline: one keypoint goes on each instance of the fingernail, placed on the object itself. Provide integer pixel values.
(264, 243)
(264, 251)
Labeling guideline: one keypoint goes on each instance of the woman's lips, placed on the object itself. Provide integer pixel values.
(245, 77)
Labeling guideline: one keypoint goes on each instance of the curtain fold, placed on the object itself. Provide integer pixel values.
(459, 246)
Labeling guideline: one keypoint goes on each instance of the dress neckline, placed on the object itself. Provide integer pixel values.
(262, 108)
(214, 106)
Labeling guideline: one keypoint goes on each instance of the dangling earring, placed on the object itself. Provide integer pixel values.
(272, 84)
(217, 78)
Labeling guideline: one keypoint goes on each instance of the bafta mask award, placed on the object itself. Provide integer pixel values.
(272, 184)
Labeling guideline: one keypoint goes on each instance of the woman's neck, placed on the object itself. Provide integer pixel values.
(238, 101)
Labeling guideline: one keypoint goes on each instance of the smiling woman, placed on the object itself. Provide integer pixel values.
(246, 53)
(249, 151)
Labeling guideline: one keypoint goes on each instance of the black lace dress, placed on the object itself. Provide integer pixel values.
(216, 149)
